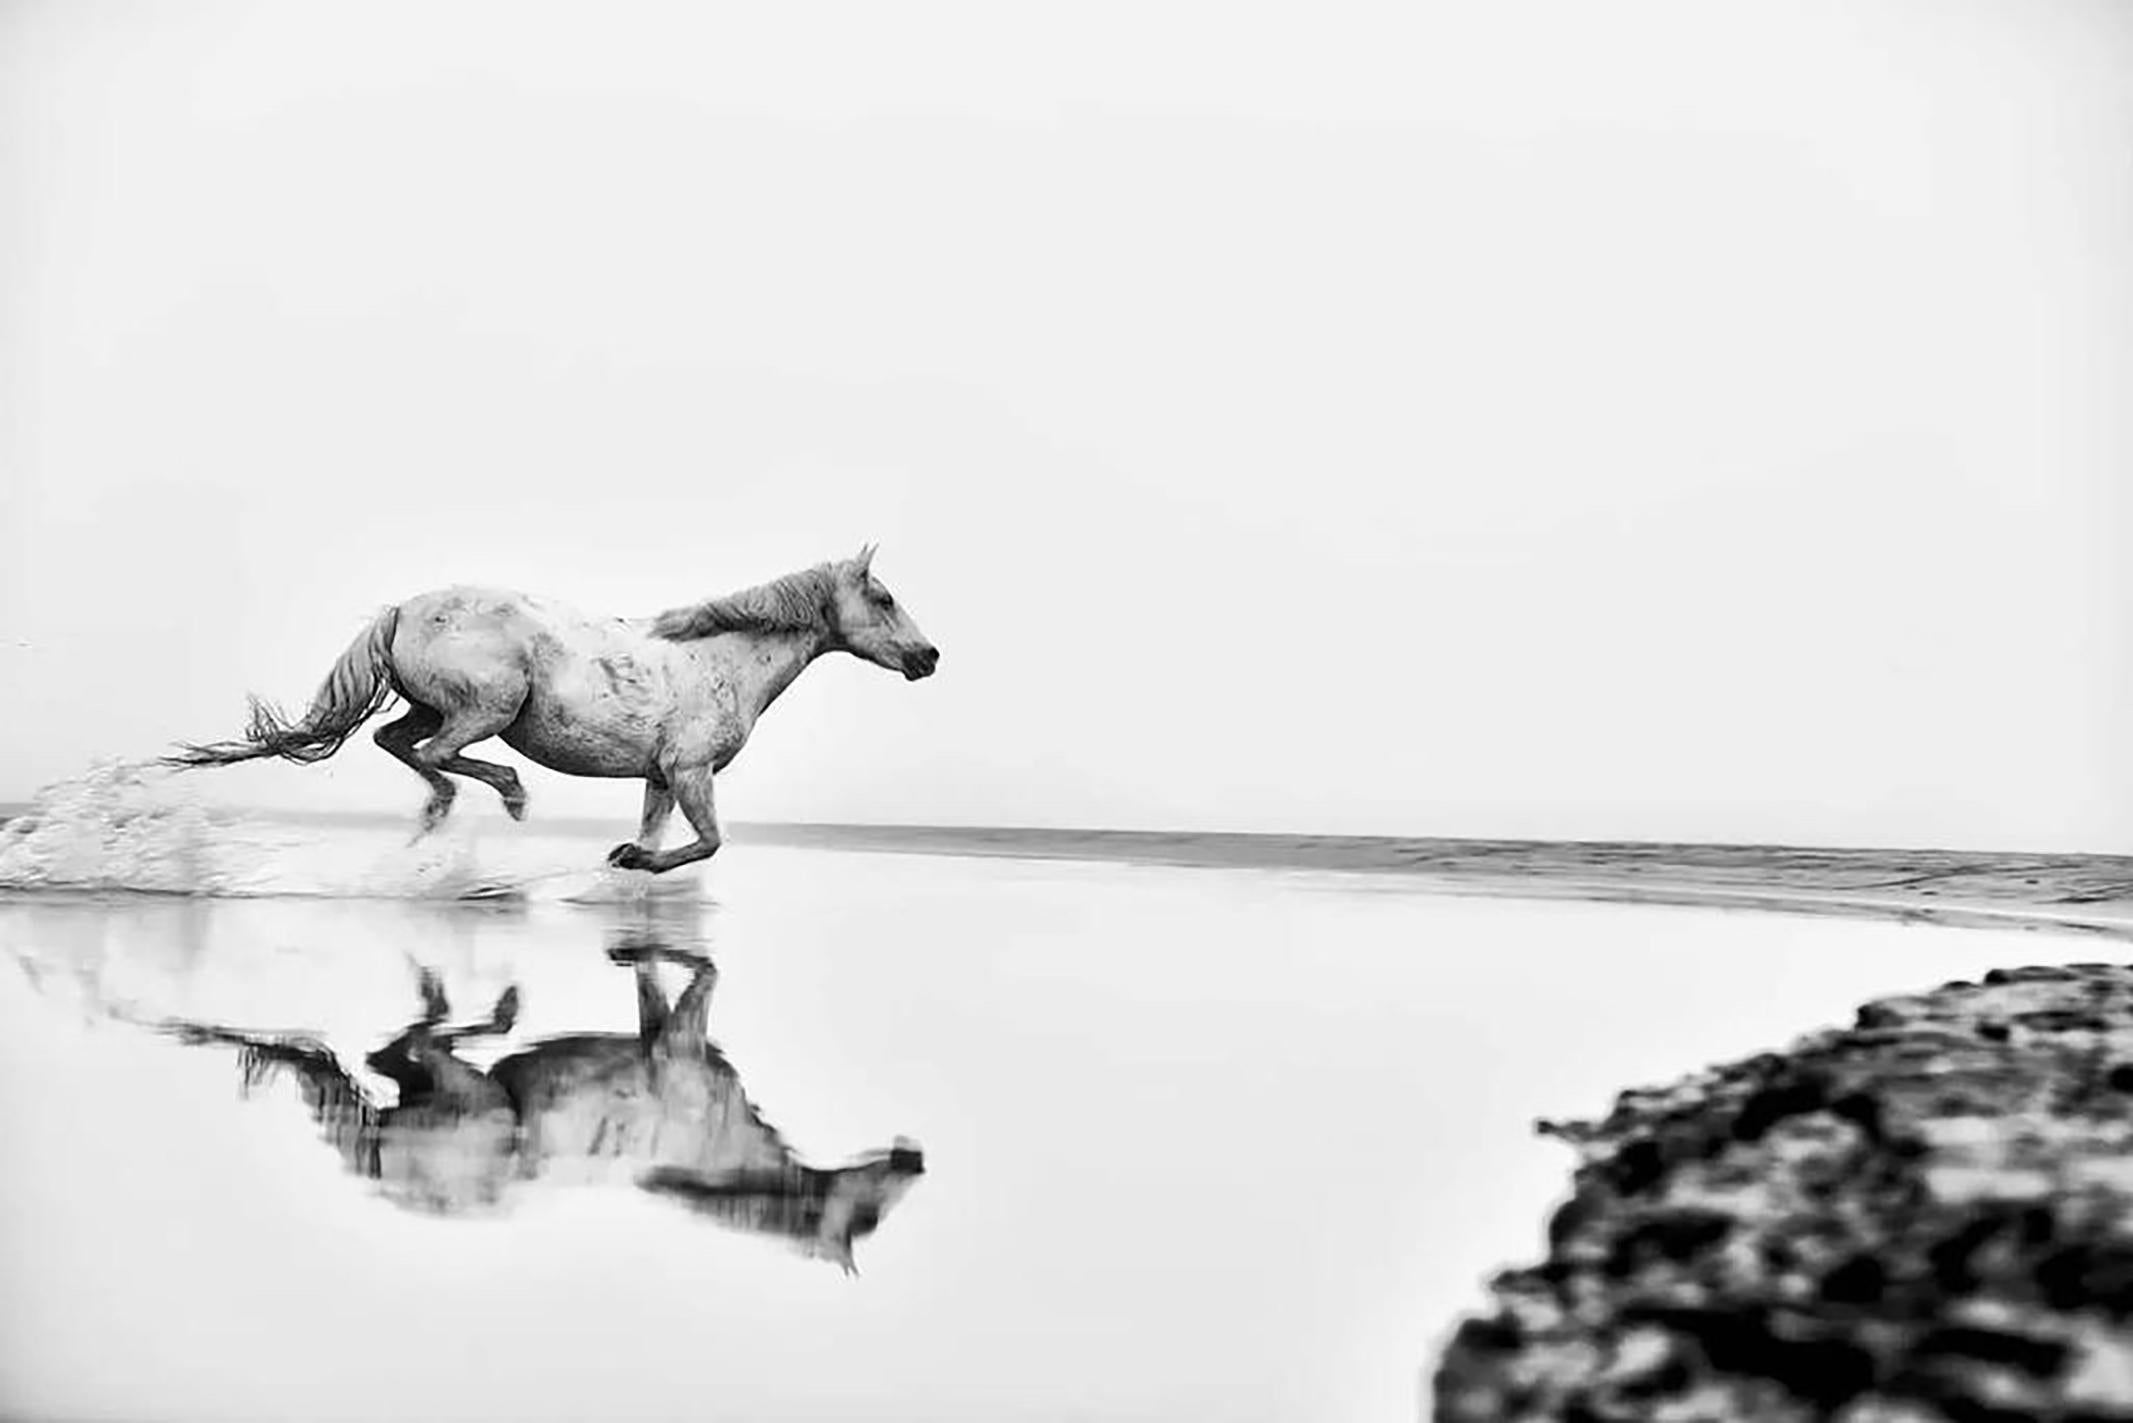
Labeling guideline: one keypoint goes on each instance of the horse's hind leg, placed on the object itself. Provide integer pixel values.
(420, 1060)
(502, 779)
(445, 736)
(462, 728)
(398, 738)
(399, 1060)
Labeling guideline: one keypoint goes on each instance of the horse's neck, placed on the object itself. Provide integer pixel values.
(759, 666)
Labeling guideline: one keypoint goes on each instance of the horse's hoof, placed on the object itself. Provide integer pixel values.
(515, 806)
(627, 857)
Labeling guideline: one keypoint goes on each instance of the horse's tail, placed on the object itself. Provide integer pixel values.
(357, 688)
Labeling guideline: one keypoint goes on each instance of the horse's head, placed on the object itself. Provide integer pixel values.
(867, 622)
(860, 1195)
(821, 1213)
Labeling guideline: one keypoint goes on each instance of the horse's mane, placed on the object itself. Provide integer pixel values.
(798, 602)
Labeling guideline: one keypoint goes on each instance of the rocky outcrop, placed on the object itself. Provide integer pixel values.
(1926, 1216)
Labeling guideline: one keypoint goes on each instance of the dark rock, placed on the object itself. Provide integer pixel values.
(1928, 1216)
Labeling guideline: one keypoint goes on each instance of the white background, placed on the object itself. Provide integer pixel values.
(1698, 421)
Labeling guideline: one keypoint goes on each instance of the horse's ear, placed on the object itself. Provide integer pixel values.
(865, 560)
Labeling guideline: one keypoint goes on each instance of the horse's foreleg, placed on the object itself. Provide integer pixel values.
(680, 1031)
(658, 806)
(651, 1003)
(687, 1026)
(690, 786)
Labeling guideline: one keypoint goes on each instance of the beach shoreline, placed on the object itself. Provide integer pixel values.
(2084, 893)
(2074, 891)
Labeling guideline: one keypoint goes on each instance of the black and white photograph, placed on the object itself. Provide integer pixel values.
(1383, 711)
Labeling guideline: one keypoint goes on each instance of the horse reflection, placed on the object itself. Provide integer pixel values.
(660, 1109)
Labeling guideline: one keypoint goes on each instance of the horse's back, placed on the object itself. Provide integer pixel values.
(515, 650)
(473, 610)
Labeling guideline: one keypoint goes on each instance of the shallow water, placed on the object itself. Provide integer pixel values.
(1198, 1144)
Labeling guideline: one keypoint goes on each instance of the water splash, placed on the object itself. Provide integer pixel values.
(634, 889)
(119, 825)
(136, 827)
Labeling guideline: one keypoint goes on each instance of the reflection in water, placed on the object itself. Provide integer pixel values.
(59, 942)
(660, 1109)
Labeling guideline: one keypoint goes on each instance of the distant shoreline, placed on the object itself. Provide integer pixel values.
(2091, 893)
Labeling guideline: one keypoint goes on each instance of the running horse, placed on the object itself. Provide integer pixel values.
(661, 1110)
(669, 699)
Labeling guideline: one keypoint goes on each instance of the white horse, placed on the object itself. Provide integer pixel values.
(669, 699)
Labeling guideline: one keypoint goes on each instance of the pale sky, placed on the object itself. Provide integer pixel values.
(1648, 420)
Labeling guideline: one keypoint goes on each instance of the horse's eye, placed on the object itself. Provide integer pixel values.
(885, 600)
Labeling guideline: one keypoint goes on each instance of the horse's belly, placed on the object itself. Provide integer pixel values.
(591, 715)
(576, 748)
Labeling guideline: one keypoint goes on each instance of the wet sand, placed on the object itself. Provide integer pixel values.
(1222, 1143)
